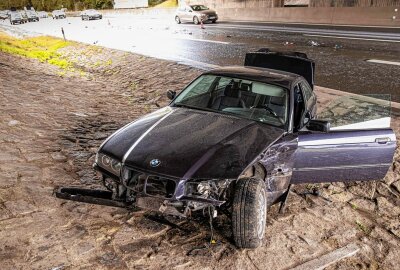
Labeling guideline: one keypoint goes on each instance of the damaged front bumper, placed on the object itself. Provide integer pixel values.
(155, 193)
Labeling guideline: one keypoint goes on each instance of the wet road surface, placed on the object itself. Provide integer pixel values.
(341, 53)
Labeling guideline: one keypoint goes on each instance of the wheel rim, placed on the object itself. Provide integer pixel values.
(262, 213)
(177, 19)
(196, 21)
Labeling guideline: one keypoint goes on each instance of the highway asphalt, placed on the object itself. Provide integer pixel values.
(342, 54)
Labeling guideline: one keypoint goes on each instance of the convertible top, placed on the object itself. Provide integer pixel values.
(272, 76)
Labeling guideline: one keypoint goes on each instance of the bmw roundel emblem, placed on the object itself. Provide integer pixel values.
(155, 162)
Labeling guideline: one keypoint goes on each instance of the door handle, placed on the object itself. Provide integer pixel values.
(382, 140)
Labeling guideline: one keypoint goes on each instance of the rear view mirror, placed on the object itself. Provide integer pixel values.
(171, 94)
(319, 125)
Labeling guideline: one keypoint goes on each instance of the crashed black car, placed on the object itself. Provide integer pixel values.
(234, 139)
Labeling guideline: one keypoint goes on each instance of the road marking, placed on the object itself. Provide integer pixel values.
(203, 40)
(368, 39)
(311, 24)
(383, 62)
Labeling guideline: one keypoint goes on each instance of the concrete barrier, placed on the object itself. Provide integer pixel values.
(321, 15)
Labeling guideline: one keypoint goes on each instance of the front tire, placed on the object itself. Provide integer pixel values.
(196, 20)
(249, 213)
(177, 19)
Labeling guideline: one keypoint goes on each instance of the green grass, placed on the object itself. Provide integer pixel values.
(42, 48)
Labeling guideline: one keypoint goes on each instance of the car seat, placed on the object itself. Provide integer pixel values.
(232, 98)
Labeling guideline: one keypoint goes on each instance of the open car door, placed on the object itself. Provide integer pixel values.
(360, 145)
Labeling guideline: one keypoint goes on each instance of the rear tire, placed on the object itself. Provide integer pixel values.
(177, 19)
(196, 20)
(249, 213)
(214, 21)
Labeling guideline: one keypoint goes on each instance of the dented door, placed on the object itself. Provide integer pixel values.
(343, 156)
(360, 145)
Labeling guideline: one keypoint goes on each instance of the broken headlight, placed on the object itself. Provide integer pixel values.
(108, 163)
(207, 189)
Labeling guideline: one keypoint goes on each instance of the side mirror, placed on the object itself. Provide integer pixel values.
(171, 94)
(319, 125)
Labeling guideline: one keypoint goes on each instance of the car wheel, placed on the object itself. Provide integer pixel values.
(249, 213)
(196, 20)
(82, 18)
(214, 21)
(177, 19)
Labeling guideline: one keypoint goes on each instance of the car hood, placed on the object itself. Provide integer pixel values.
(190, 144)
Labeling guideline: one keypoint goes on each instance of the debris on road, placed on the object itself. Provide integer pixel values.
(314, 43)
(330, 258)
(287, 43)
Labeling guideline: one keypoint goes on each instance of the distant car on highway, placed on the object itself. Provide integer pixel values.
(32, 16)
(91, 14)
(43, 14)
(59, 14)
(195, 14)
(3, 15)
(16, 17)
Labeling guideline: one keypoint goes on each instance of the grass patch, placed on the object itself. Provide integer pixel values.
(42, 48)
(363, 227)
(167, 4)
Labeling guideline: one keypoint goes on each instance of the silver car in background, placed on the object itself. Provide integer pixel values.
(91, 14)
(43, 14)
(195, 14)
(59, 14)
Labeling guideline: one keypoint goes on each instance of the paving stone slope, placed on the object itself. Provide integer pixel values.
(50, 128)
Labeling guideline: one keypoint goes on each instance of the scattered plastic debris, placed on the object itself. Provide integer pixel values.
(287, 43)
(314, 43)
(338, 46)
(13, 123)
(229, 36)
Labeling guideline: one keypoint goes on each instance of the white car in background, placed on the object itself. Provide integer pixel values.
(91, 14)
(59, 14)
(195, 14)
(43, 14)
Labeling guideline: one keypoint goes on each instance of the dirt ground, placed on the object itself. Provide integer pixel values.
(51, 124)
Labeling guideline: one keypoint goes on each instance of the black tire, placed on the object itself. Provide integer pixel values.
(177, 19)
(82, 18)
(196, 20)
(214, 21)
(249, 213)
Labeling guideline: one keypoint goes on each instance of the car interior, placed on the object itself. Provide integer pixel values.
(250, 99)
